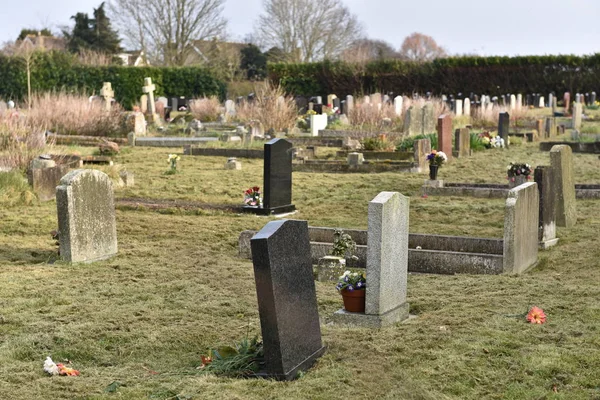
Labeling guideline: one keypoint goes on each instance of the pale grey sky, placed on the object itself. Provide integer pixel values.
(484, 27)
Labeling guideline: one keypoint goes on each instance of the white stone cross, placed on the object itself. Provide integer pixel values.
(149, 88)
(108, 94)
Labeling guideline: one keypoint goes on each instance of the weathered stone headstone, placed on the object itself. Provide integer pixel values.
(330, 98)
(144, 103)
(521, 223)
(503, 126)
(160, 108)
(287, 300)
(444, 131)
(387, 263)
(577, 115)
(107, 94)
(547, 218)
(462, 142)
(593, 98)
(230, 109)
(513, 102)
(550, 127)
(355, 159)
(149, 89)
(376, 98)
(349, 104)
(429, 122)
(164, 101)
(561, 160)
(86, 216)
(233, 163)
(277, 183)
(44, 175)
(413, 121)
(422, 148)
(567, 101)
(540, 129)
(519, 101)
(541, 102)
(128, 178)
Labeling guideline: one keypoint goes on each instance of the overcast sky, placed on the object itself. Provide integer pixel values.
(484, 27)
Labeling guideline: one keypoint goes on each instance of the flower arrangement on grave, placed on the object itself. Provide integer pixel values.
(437, 158)
(252, 197)
(515, 170)
(351, 281)
(242, 360)
(492, 141)
(172, 160)
(343, 245)
(58, 369)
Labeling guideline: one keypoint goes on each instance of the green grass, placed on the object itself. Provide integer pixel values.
(177, 289)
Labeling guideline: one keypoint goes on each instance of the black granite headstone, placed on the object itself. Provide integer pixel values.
(318, 108)
(277, 181)
(336, 103)
(503, 124)
(287, 301)
(542, 175)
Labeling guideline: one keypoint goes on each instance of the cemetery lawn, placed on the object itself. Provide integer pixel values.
(177, 289)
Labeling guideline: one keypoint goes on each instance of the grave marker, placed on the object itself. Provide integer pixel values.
(561, 160)
(149, 89)
(287, 300)
(503, 126)
(387, 264)
(462, 142)
(521, 223)
(547, 217)
(107, 94)
(577, 115)
(86, 216)
(444, 130)
(467, 107)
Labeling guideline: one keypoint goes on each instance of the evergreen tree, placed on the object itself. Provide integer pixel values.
(254, 62)
(93, 34)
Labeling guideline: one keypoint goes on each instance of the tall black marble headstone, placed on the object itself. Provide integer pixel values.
(277, 181)
(503, 125)
(287, 301)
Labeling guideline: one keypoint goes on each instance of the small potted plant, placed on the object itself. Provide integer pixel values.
(330, 267)
(352, 286)
(252, 197)
(517, 174)
(436, 159)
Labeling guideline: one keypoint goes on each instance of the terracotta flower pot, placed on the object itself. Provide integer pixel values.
(354, 301)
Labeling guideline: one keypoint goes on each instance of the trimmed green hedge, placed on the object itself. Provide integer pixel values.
(60, 71)
(489, 75)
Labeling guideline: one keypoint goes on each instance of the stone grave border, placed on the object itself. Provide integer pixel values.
(497, 191)
(577, 147)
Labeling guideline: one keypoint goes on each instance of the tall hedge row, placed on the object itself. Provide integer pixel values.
(482, 75)
(60, 71)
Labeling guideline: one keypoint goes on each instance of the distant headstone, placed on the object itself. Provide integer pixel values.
(86, 216)
(398, 100)
(387, 264)
(462, 142)
(539, 126)
(550, 127)
(413, 121)
(277, 175)
(561, 160)
(547, 218)
(164, 101)
(355, 159)
(541, 102)
(149, 89)
(521, 223)
(107, 94)
(349, 104)
(44, 175)
(429, 120)
(318, 122)
(503, 125)
(233, 163)
(287, 300)
(376, 98)
(174, 103)
(144, 103)
(422, 148)
(593, 98)
(467, 107)
(336, 104)
(458, 108)
(567, 101)
(577, 115)
(10, 104)
(230, 108)
(160, 108)
(330, 98)
(444, 131)
(519, 101)
(513, 102)
(554, 105)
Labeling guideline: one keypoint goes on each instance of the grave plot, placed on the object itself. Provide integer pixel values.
(514, 253)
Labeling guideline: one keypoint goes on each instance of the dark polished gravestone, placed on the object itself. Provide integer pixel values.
(287, 300)
(277, 184)
(503, 126)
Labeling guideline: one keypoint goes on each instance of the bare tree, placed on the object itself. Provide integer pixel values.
(364, 50)
(166, 29)
(307, 30)
(419, 47)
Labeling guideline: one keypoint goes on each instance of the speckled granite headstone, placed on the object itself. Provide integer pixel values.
(387, 264)
(86, 216)
(521, 224)
(287, 301)
(561, 160)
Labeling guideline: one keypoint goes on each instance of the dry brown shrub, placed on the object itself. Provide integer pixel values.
(276, 111)
(20, 140)
(206, 109)
(371, 118)
(487, 117)
(74, 114)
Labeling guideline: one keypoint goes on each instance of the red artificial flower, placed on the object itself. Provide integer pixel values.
(256, 188)
(66, 371)
(536, 315)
